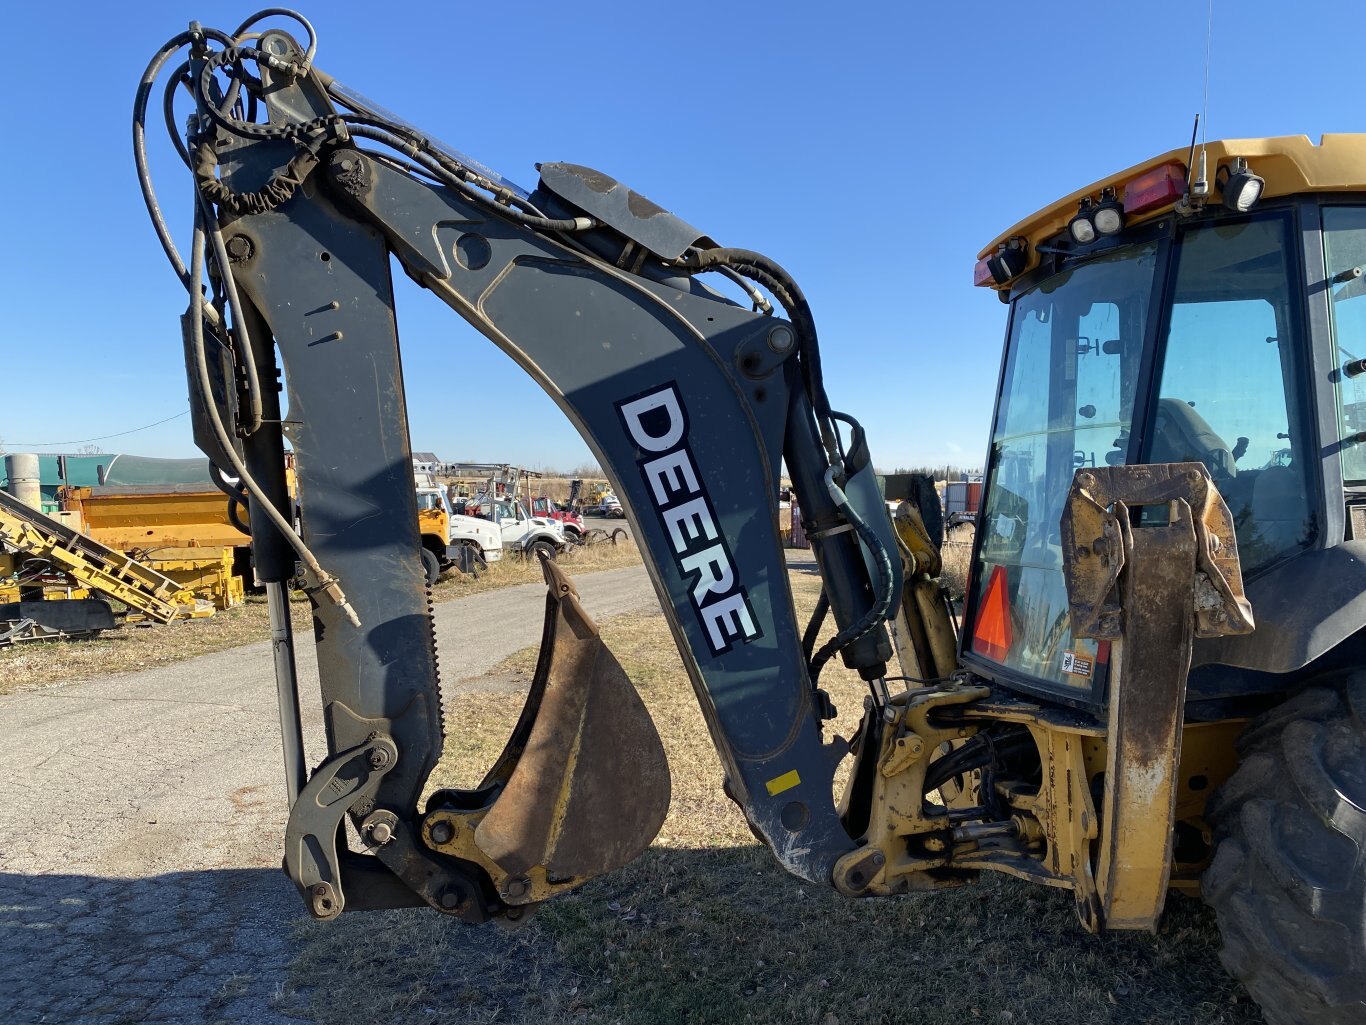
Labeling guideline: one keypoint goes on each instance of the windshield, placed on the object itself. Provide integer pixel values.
(1227, 391)
(1067, 400)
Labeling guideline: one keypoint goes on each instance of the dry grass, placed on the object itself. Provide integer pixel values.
(956, 553)
(706, 928)
(514, 569)
(44, 663)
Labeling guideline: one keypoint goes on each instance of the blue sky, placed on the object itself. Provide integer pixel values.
(872, 149)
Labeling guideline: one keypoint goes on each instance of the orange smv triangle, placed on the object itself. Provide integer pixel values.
(994, 633)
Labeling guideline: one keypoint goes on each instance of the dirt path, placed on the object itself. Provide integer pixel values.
(142, 817)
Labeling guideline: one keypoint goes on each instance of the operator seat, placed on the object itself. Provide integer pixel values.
(1182, 435)
(1280, 509)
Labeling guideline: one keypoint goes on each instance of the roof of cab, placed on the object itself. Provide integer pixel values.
(1289, 164)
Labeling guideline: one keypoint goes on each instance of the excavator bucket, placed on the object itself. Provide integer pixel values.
(582, 786)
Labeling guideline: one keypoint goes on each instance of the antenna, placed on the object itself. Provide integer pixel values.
(1200, 186)
(1185, 207)
(1197, 181)
(1209, 33)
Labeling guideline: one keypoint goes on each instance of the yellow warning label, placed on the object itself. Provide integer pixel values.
(786, 781)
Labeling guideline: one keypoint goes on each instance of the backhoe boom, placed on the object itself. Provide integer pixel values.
(689, 400)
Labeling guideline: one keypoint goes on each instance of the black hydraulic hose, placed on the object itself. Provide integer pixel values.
(231, 55)
(284, 12)
(979, 752)
(975, 754)
(399, 164)
(235, 503)
(179, 78)
(784, 286)
(813, 626)
(149, 196)
(877, 612)
(221, 482)
(325, 581)
(282, 185)
(414, 151)
(761, 305)
(237, 498)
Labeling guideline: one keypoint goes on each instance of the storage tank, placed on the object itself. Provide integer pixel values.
(25, 479)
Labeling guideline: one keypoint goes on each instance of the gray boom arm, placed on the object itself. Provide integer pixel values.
(689, 401)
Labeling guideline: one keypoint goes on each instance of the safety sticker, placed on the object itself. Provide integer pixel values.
(1077, 665)
(786, 781)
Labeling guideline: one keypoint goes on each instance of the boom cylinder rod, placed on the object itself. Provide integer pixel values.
(273, 560)
(287, 688)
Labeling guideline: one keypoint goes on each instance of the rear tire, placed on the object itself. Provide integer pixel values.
(431, 566)
(1288, 881)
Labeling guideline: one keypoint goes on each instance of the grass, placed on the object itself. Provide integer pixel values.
(513, 569)
(956, 553)
(44, 663)
(706, 928)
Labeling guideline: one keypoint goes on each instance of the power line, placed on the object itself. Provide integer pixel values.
(102, 437)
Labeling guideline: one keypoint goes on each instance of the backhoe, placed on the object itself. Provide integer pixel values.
(1176, 450)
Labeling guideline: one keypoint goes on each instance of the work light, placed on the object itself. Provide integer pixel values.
(1009, 261)
(1080, 227)
(1243, 188)
(1108, 216)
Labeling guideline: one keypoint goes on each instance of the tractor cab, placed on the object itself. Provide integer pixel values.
(1157, 318)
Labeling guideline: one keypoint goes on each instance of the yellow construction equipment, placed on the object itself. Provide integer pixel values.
(38, 546)
(185, 531)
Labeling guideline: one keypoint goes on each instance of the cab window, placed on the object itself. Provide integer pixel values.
(1229, 383)
(1344, 250)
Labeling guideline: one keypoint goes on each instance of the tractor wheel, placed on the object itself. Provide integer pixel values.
(431, 566)
(542, 550)
(1288, 881)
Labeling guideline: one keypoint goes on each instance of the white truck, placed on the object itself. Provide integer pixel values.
(530, 535)
(450, 540)
(470, 543)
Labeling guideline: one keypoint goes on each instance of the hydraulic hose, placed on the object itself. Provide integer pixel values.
(415, 151)
(149, 196)
(325, 582)
(777, 280)
(284, 12)
(876, 613)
